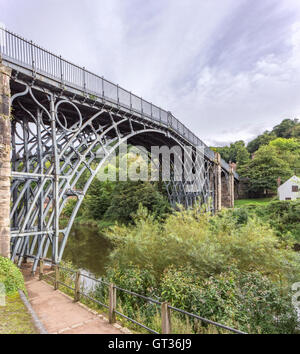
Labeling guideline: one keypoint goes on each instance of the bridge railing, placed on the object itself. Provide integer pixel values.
(17, 50)
(111, 305)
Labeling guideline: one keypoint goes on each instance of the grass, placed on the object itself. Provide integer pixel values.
(259, 201)
(14, 318)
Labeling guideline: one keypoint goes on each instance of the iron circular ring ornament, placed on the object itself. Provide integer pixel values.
(78, 126)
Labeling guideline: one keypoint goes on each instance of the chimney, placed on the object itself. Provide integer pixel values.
(278, 182)
(233, 165)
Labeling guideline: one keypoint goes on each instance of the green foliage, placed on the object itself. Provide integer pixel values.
(11, 276)
(274, 154)
(261, 140)
(111, 201)
(127, 197)
(209, 243)
(140, 280)
(230, 268)
(236, 152)
(245, 300)
(286, 145)
(288, 128)
(99, 198)
(69, 207)
(265, 168)
(282, 216)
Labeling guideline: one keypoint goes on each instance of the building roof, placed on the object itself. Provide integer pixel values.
(293, 179)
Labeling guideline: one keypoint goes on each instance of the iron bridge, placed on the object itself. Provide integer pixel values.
(62, 117)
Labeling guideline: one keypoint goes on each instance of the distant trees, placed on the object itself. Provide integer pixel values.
(265, 168)
(279, 158)
(262, 139)
(127, 196)
(288, 128)
(274, 154)
(236, 152)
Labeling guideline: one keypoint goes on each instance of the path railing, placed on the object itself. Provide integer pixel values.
(166, 308)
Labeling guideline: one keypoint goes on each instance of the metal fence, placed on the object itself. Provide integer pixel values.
(17, 50)
(166, 308)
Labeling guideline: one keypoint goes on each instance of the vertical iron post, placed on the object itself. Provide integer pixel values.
(55, 184)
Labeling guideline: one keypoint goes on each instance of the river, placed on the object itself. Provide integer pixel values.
(87, 249)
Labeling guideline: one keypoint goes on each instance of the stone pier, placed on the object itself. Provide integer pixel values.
(224, 186)
(218, 182)
(5, 170)
(228, 189)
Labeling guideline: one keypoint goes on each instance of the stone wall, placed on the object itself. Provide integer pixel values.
(226, 199)
(5, 172)
(242, 191)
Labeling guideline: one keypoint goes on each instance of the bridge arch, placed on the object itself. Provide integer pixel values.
(56, 140)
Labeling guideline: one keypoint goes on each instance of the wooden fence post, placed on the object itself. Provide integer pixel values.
(41, 269)
(165, 318)
(77, 287)
(112, 303)
(56, 277)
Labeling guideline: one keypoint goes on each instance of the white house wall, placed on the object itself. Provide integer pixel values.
(285, 190)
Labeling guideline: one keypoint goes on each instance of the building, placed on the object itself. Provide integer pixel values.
(290, 190)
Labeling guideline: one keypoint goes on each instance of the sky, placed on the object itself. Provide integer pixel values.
(228, 69)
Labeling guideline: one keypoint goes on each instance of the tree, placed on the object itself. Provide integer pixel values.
(262, 139)
(98, 199)
(236, 152)
(241, 154)
(285, 128)
(265, 168)
(224, 151)
(286, 145)
(127, 197)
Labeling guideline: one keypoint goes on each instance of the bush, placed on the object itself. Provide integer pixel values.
(11, 276)
(282, 216)
(248, 301)
(209, 243)
(230, 268)
(69, 207)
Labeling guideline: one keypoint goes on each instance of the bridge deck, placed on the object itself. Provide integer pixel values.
(28, 58)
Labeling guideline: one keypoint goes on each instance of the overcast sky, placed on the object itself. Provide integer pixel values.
(228, 69)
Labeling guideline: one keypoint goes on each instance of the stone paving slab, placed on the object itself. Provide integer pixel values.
(60, 315)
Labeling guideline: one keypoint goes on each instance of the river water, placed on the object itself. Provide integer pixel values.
(87, 249)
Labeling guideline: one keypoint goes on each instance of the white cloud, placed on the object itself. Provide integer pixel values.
(239, 105)
(228, 69)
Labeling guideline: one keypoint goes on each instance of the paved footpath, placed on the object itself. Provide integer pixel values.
(60, 315)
